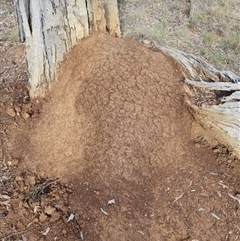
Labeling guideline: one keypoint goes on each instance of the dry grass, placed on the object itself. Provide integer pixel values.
(211, 32)
(39, 189)
(8, 28)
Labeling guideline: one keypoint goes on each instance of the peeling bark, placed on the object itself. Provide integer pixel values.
(213, 97)
(51, 28)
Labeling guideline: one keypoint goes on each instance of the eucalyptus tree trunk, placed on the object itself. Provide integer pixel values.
(51, 28)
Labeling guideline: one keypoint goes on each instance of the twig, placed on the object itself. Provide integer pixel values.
(179, 215)
(179, 197)
(235, 198)
(191, 9)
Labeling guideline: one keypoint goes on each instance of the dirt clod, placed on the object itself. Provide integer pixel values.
(42, 217)
(49, 210)
(25, 116)
(11, 112)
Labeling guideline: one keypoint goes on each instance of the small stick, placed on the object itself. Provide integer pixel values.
(191, 9)
(179, 215)
(179, 197)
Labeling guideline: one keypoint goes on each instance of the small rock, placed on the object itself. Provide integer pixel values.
(36, 209)
(57, 197)
(49, 210)
(25, 116)
(97, 193)
(229, 161)
(20, 204)
(18, 179)
(35, 220)
(42, 217)
(15, 194)
(216, 151)
(11, 112)
(197, 145)
(25, 204)
(15, 162)
(55, 217)
(42, 174)
(33, 204)
(147, 42)
(30, 180)
(64, 232)
(4, 214)
(17, 109)
(63, 208)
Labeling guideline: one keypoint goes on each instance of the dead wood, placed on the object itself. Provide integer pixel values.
(213, 97)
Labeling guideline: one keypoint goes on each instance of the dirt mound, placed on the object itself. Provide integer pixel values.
(116, 103)
(116, 127)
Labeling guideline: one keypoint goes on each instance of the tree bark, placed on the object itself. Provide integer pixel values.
(51, 28)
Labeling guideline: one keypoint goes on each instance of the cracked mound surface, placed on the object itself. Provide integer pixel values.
(116, 103)
(116, 127)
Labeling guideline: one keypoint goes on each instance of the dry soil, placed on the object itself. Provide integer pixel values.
(115, 127)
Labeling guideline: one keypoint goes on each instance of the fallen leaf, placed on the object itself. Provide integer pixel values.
(112, 201)
(46, 232)
(4, 196)
(24, 238)
(215, 216)
(81, 235)
(6, 203)
(71, 217)
(103, 211)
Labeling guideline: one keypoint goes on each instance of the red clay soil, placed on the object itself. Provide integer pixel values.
(115, 126)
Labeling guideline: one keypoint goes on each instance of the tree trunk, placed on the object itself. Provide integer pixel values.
(51, 28)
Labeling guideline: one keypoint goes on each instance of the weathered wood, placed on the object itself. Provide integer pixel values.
(213, 85)
(213, 97)
(52, 27)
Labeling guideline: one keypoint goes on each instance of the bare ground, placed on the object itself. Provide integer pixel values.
(114, 127)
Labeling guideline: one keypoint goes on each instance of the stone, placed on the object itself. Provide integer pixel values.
(55, 217)
(25, 116)
(197, 145)
(18, 179)
(42, 217)
(15, 162)
(25, 204)
(49, 210)
(17, 109)
(147, 42)
(11, 112)
(30, 180)
(97, 193)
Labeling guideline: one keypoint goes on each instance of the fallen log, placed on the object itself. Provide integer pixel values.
(213, 97)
